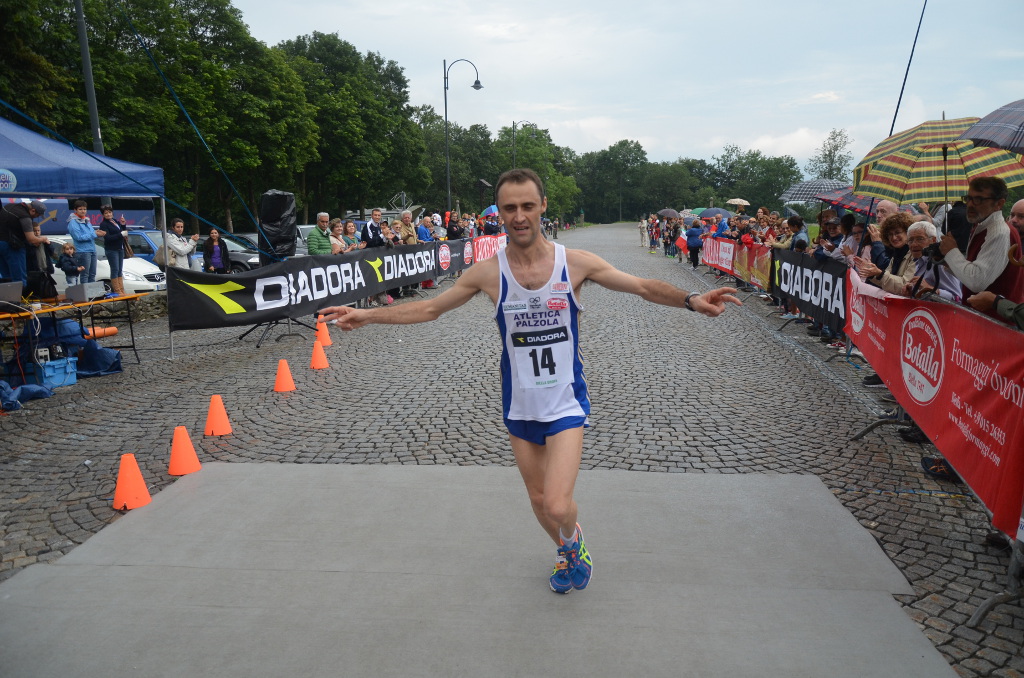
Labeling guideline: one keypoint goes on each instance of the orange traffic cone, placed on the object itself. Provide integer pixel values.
(284, 377)
(130, 491)
(183, 454)
(100, 332)
(217, 423)
(322, 334)
(319, 361)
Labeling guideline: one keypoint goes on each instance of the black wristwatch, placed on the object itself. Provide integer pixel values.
(686, 303)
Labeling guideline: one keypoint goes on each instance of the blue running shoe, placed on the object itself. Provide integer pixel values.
(560, 581)
(581, 566)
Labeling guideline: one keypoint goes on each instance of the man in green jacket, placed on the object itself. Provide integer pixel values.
(319, 239)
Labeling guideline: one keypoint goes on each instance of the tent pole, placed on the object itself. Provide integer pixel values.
(163, 246)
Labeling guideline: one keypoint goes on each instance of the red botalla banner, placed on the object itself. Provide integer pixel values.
(487, 246)
(718, 253)
(960, 376)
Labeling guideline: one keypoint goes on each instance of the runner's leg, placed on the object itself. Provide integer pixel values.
(549, 472)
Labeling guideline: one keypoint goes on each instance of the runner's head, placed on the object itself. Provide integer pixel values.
(518, 176)
(521, 203)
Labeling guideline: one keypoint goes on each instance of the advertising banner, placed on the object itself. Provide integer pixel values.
(818, 288)
(486, 246)
(761, 266)
(960, 376)
(753, 263)
(454, 256)
(296, 287)
(718, 253)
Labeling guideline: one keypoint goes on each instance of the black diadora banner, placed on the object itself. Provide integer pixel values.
(301, 286)
(817, 288)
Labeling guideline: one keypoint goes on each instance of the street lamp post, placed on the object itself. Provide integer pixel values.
(447, 151)
(521, 123)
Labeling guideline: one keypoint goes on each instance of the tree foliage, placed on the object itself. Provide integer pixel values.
(831, 161)
(316, 117)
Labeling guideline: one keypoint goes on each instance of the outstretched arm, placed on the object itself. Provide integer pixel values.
(710, 303)
(472, 281)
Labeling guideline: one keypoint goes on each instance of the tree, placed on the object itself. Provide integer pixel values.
(755, 177)
(369, 149)
(31, 80)
(831, 161)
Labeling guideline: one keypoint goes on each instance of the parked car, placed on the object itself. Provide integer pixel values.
(139, 275)
(145, 243)
(242, 258)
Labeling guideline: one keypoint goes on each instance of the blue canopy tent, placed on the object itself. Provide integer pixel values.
(35, 166)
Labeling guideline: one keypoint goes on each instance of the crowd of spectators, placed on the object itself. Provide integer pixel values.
(978, 260)
(338, 236)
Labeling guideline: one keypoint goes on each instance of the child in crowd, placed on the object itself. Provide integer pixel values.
(68, 264)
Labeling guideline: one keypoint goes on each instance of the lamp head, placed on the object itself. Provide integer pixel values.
(477, 85)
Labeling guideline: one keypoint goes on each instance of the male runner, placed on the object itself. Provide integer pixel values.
(535, 285)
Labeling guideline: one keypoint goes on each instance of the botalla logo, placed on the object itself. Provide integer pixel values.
(8, 181)
(467, 252)
(444, 257)
(922, 356)
(557, 304)
(857, 311)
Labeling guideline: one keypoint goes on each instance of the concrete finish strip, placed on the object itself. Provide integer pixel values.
(327, 570)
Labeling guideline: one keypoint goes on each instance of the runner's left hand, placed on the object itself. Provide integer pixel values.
(712, 303)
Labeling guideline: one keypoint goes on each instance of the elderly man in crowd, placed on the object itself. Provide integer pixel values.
(319, 239)
(986, 264)
(928, 275)
(1016, 220)
(425, 231)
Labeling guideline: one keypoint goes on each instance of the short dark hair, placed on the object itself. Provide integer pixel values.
(847, 222)
(994, 185)
(795, 221)
(80, 203)
(177, 220)
(519, 176)
(106, 208)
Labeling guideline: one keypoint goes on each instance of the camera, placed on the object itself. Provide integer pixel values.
(933, 252)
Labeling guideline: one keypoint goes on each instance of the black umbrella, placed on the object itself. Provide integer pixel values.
(806, 190)
(715, 212)
(1002, 128)
(668, 212)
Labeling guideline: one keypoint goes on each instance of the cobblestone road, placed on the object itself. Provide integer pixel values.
(672, 392)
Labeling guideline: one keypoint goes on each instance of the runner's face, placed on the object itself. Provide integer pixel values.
(521, 207)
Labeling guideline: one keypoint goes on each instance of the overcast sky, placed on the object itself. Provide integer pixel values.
(684, 77)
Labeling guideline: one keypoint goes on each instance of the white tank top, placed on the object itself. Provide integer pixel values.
(541, 366)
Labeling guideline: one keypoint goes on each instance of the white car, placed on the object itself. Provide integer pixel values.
(139, 275)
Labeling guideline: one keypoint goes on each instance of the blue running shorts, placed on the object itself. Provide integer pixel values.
(537, 432)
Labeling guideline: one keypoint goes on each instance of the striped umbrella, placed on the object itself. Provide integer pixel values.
(937, 171)
(927, 163)
(1002, 128)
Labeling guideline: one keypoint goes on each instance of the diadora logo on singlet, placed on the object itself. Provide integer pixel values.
(541, 337)
(560, 287)
(515, 307)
